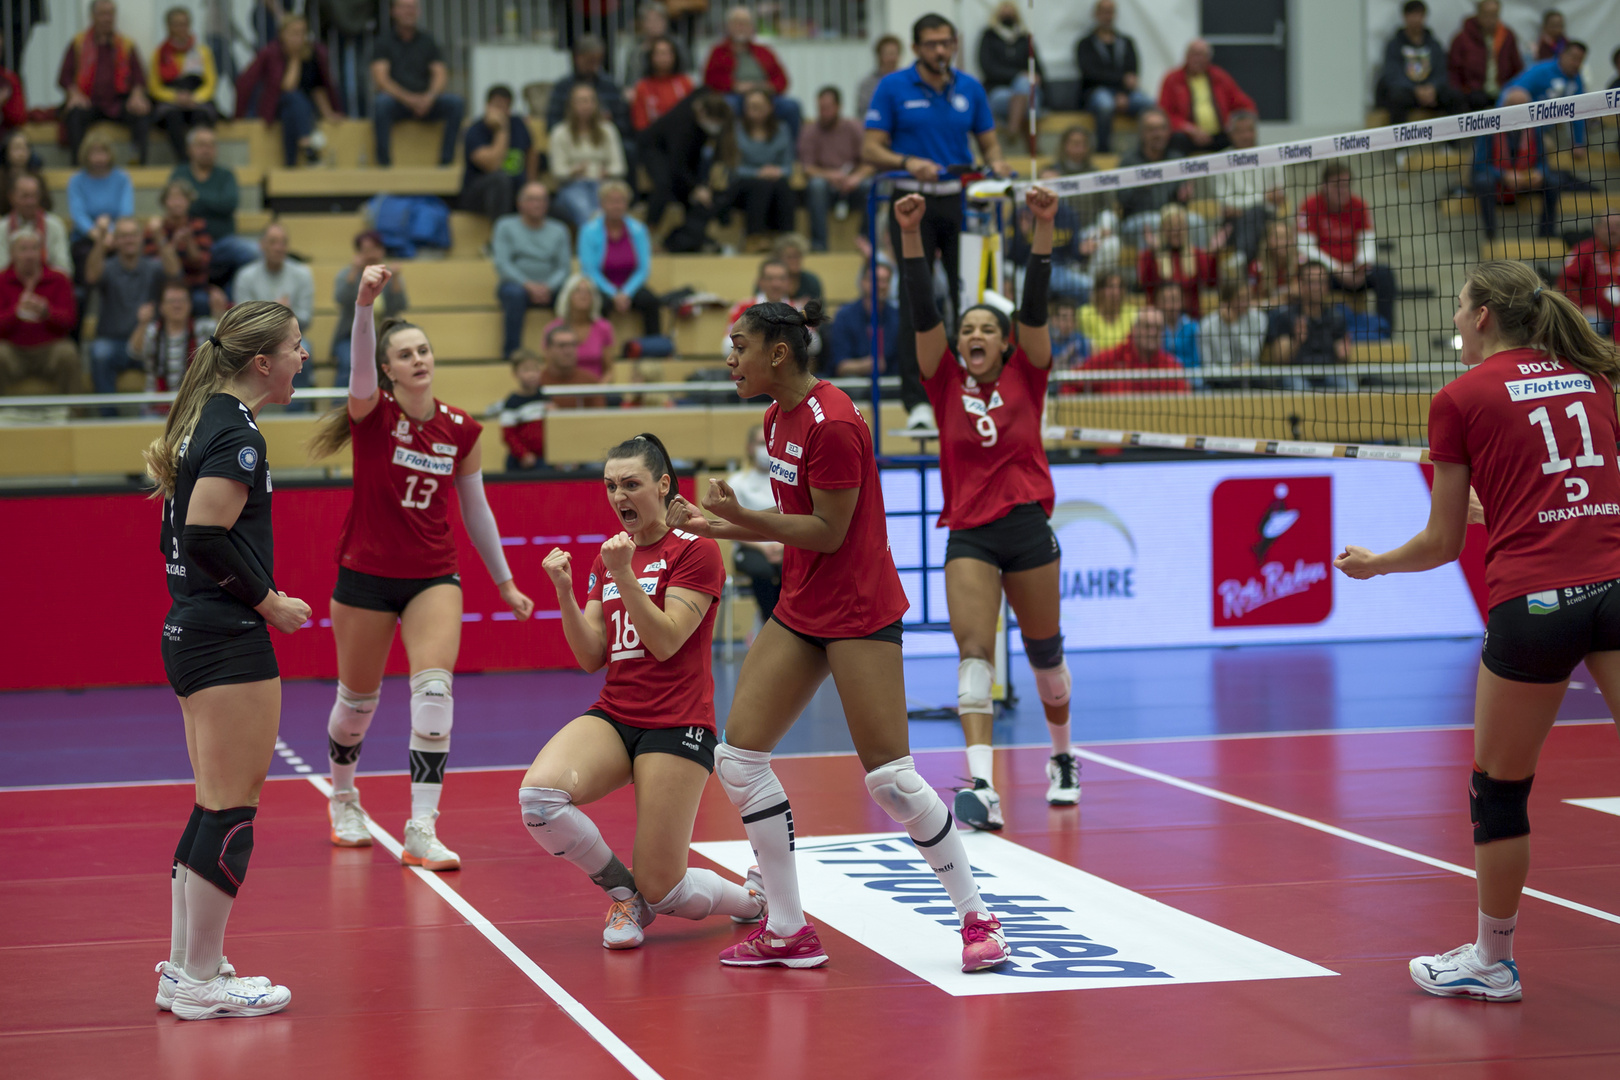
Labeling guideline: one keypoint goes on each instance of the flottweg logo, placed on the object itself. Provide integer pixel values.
(1271, 551)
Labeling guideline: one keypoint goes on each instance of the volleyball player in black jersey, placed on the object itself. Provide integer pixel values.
(209, 466)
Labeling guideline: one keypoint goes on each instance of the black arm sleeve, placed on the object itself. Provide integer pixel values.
(1037, 284)
(919, 285)
(210, 547)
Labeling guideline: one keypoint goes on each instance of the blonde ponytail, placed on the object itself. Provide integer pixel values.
(1531, 314)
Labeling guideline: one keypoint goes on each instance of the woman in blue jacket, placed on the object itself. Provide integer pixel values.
(616, 254)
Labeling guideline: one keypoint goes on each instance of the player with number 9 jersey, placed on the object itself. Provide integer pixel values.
(397, 564)
(1531, 430)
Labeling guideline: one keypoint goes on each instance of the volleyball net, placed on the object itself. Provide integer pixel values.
(1300, 294)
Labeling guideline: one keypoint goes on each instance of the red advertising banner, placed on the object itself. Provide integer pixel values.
(87, 596)
(1272, 551)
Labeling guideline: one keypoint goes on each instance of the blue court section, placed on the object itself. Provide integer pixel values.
(92, 736)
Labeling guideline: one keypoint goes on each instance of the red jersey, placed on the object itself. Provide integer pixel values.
(1539, 439)
(823, 442)
(1124, 357)
(1336, 232)
(404, 482)
(1592, 278)
(990, 453)
(1150, 272)
(642, 690)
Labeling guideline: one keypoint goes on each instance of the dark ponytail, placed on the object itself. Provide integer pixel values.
(650, 450)
(785, 323)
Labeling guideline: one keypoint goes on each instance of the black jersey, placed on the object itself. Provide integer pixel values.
(226, 442)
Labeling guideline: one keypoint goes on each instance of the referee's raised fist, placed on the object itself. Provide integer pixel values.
(908, 212)
(372, 281)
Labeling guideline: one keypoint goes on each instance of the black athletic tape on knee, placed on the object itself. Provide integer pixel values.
(1499, 809)
(1037, 286)
(427, 766)
(188, 836)
(918, 282)
(1044, 652)
(223, 846)
(343, 755)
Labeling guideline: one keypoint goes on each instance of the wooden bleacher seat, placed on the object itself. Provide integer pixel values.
(1379, 352)
(1541, 247)
(431, 284)
(1571, 204)
(350, 182)
(330, 237)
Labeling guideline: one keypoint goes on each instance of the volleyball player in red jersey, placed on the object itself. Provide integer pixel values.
(988, 398)
(649, 618)
(1532, 427)
(839, 613)
(397, 563)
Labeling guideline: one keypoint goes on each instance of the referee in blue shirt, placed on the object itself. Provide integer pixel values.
(919, 122)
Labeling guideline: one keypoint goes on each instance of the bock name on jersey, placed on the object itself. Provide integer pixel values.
(427, 463)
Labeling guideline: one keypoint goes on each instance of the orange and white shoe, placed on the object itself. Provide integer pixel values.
(423, 847)
(348, 820)
(625, 920)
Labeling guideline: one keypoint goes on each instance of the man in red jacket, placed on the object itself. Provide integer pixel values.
(13, 102)
(739, 64)
(1142, 351)
(103, 78)
(1198, 97)
(37, 313)
(1592, 275)
(1484, 56)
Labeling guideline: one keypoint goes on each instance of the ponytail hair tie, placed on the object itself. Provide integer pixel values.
(1536, 293)
(214, 341)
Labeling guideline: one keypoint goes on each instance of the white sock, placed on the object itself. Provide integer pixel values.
(772, 840)
(948, 857)
(425, 799)
(702, 893)
(177, 916)
(1060, 737)
(1495, 942)
(343, 776)
(207, 909)
(981, 759)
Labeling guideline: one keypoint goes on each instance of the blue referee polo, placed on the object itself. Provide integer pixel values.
(928, 123)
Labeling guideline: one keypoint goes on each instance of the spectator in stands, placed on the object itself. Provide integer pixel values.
(579, 309)
(523, 414)
(409, 74)
(1108, 319)
(760, 183)
(286, 281)
(181, 81)
(501, 157)
(101, 73)
(652, 25)
(1310, 332)
(1274, 275)
(887, 50)
(1071, 277)
(1141, 205)
(217, 200)
(1336, 230)
(1180, 331)
(677, 150)
(615, 252)
(1171, 257)
(760, 561)
(584, 151)
(772, 285)
(28, 213)
(1074, 152)
(589, 55)
(532, 256)
(368, 251)
(13, 100)
(1484, 56)
(1069, 345)
(175, 229)
(124, 280)
(830, 153)
(1198, 97)
(1552, 39)
(1556, 78)
(1005, 50)
(1141, 351)
(1592, 274)
(662, 88)
(1250, 199)
(37, 316)
(1414, 74)
(290, 81)
(18, 158)
(1108, 66)
(1235, 331)
(1511, 164)
(803, 285)
(739, 65)
(98, 193)
(850, 348)
(165, 340)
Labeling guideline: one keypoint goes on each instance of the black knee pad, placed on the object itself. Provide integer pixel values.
(223, 846)
(182, 850)
(1500, 809)
(1044, 653)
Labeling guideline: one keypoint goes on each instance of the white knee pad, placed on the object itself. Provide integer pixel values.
(432, 709)
(747, 778)
(973, 680)
(689, 899)
(903, 795)
(562, 828)
(351, 715)
(1052, 684)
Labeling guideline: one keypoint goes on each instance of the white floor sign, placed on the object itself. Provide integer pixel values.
(1607, 806)
(1068, 929)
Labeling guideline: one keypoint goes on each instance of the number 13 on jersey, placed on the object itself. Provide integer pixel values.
(418, 496)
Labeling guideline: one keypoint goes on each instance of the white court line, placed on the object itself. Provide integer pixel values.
(569, 1004)
(1324, 827)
